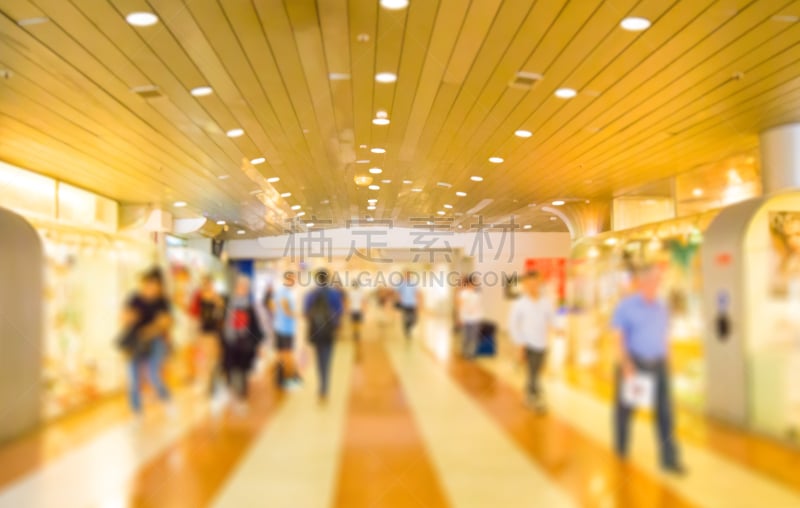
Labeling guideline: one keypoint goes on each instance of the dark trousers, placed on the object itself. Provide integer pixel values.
(535, 362)
(324, 353)
(409, 320)
(663, 402)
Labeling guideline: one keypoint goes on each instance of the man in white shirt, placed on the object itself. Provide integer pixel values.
(470, 315)
(529, 325)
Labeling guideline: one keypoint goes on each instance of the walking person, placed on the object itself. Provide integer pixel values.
(409, 301)
(530, 323)
(147, 321)
(641, 326)
(242, 334)
(470, 315)
(323, 309)
(357, 306)
(208, 307)
(284, 310)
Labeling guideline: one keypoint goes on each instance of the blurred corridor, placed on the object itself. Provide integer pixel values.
(406, 424)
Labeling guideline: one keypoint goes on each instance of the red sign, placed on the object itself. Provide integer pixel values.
(552, 270)
(724, 258)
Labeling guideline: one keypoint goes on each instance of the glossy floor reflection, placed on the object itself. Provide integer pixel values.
(406, 424)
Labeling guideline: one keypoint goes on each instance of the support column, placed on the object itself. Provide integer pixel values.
(583, 219)
(780, 158)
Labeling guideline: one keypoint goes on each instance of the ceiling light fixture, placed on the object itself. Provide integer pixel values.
(380, 121)
(310, 224)
(220, 222)
(565, 93)
(301, 214)
(375, 171)
(407, 182)
(374, 187)
(386, 180)
(527, 226)
(372, 201)
(558, 202)
(386, 77)
(141, 19)
(448, 206)
(522, 133)
(416, 189)
(697, 192)
(363, 180)
(273, 179)
(371, 207)
(440, 212)
(179, 204)
(476, 178)
(552, 218)
(378, 150)
(296, 207)
(286, 195)
(461, 194)
(338, 76)
(201, 91)
(635, 24)
(240, 232)
(224, 177)
(234, 133)
(496, 160)
(33, 21)
(362, 37)
(394, 5)
(258, 160)
(362, 161)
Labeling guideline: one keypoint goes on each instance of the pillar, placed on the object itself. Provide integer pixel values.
(780, 158)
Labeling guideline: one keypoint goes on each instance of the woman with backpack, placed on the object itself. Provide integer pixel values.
(242, 334)
(323, 309)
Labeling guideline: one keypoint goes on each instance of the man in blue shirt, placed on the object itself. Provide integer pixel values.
(323, 309)
(284, 310)
(409, 300)
(641, 325)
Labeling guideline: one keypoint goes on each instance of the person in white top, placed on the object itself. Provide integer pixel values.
(356, 303)
(470, 315)
(529, 324)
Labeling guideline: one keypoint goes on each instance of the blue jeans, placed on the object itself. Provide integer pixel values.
(324, 350)
(664, 421)
(409, 319)
(153, 362)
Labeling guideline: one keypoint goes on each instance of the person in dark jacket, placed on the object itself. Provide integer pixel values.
(242, 334)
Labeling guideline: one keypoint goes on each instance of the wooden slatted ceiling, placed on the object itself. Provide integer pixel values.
(651, 104)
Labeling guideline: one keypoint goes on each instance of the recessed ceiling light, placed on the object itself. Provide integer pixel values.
(221, 222)
(565, 93)
(378, 150)
(552, 218)
(286, 195)
(416, 189)
(374, 187)
(386, 180)
(362, 161)
(338, 76)
(496, 160)
(258, 160)
(375, 171)
(273, 179)
(476, 178)
(610, 241)
(33, 21)
(234, 133)
(296, 207)
(372, 201)
(141, 19)
(440, 212)
(407, 182)
(362, 180)
(394, 5)
(240, 232)
(697, 192)
(444, 185)
(381, 114)
(371, 207)
(461, 194)
(201, 91)
(782, 18)
(362, 37)
(224, 177)
(310, 224)
(380, 121)
(558, 202)
(386, 77)
(522, 133)
(448, 206)
(301, 214)
(460, 226)
(527, 226)
(179, 204)
(325, 201)
(635, 24)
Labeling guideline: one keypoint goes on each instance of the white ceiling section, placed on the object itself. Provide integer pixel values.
(298, 76)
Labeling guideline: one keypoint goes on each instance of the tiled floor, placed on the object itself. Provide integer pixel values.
(407, 425)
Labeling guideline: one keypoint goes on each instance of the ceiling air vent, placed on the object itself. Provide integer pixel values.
(525, 80)
(147, 91)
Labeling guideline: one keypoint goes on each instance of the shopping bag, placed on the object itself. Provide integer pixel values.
(638, 391)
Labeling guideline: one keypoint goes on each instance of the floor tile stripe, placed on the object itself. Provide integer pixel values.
(385, 463)
(478, 463)
(295, 461)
